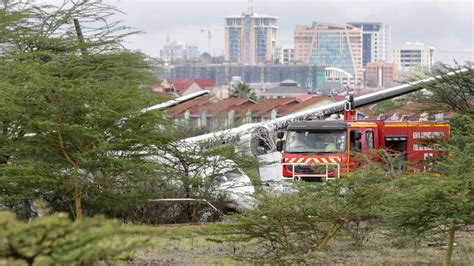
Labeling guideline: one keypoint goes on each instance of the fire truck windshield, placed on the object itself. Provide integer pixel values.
(316, 142)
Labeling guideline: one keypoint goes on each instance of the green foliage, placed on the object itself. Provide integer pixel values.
(424, 202)
(197, 171)
(389, 105)
(54, 240)
(71, 129)
(31, 26)
(450, 93)
(70, 122)
(286, 227)
(243, 90)
(442, 200)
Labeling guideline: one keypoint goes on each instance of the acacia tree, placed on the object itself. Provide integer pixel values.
(450, 93)
(58, 240)
(424, 203)
(70, 120)
(286, 227)
(443, 200)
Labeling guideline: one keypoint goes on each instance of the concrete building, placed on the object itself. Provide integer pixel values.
(192, 52)
(287, 89)
(178, 52)
(414, 56)
(376, 41)
(250, 38)
(173, 52)
(284, 54)
(287, 54)
(380, 74)
(309, 76)
(338, 75)
(330, 45)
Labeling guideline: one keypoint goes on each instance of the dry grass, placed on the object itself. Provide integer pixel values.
(186, 245)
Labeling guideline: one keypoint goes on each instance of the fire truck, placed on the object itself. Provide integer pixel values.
(348, 137)
(321, 149)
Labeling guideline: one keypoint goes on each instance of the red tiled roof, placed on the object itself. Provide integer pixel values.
(304, 104)
(303, 97)
(266, 106)
(183, 84)
(205, 83)
(212, 106)
(239, 105)
(190, 105)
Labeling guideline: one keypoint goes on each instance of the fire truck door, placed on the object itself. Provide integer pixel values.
(397, 147)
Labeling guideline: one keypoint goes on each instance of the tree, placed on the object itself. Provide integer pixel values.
(442, 200)
(388, 105)
(288, 226)
(243, 90)
(450, 93)
(57, 240)
(423, 203)
(70, 121)
(201, 171)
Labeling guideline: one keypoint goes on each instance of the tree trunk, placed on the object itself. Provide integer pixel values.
(449, 250)
(323, 244)
(77, 199)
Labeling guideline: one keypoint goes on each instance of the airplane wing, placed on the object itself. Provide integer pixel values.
(176, 101)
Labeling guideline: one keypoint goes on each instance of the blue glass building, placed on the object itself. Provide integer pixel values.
(331, 45)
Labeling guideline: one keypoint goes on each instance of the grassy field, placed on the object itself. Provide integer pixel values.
(186, 245)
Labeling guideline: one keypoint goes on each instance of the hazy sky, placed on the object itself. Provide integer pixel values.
(445, 25)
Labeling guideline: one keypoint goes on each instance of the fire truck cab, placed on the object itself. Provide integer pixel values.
(315, 150)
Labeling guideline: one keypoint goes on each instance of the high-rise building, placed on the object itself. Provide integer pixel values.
(414, 56)
(192, 52)
(250, 38)
(376, 41)
(330, 45)
(287, 54)
(380, 74)
(177, 52)
(284, 54)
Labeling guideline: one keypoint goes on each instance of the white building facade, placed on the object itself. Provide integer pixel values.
(376, 41)
(414, 56)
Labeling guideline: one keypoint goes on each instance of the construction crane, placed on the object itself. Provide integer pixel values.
(210, 31)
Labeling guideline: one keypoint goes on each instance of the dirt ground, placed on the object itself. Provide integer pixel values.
(185, 245)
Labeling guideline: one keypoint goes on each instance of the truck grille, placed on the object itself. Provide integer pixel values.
(306, 169)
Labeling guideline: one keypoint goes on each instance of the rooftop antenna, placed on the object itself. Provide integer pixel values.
(250, 10)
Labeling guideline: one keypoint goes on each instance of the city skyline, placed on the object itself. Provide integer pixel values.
(452, 36)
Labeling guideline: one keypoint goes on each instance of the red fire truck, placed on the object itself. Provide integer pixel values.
(315, 150)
